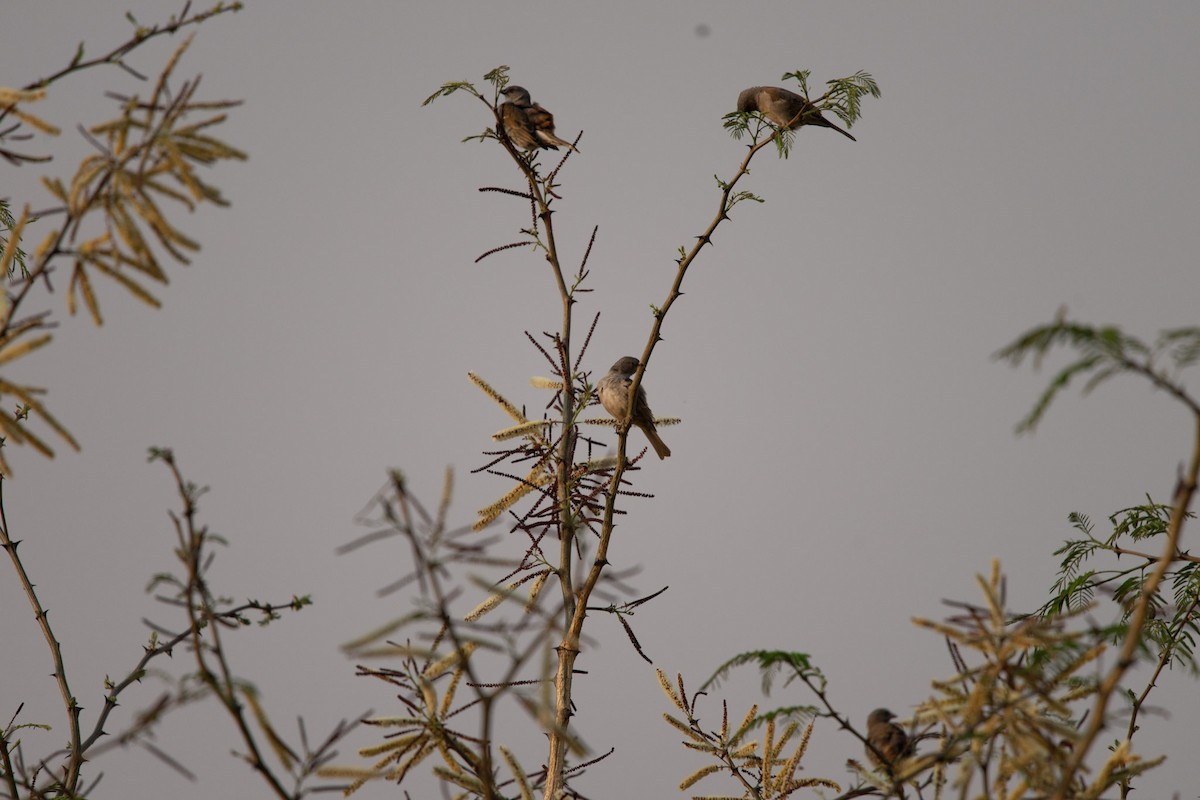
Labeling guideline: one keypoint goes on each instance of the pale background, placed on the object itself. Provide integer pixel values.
(846, 458)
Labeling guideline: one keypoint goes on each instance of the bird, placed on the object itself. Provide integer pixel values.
(613, 390)
(785, 109)
(888, 743)
(528, 125)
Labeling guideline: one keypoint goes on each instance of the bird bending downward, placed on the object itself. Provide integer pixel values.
(613, 390)
(785, 109)
(888, 742)
(528, 125)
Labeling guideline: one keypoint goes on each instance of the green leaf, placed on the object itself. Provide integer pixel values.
(447, 89)
(770, 663)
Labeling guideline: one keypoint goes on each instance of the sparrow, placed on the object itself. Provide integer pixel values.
(613, 390)
(888, 741)
(785, 109)
(528, 125)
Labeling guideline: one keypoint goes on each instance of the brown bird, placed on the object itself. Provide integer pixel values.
(888, 742)
(785, 109)
(613, 390)
(528, 125)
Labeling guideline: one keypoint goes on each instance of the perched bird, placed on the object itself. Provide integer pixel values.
(888, 742)
(613, 389)
(517, 126)
(528, 125)
(785, 109)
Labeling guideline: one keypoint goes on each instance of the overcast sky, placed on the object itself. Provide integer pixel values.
(846, 458)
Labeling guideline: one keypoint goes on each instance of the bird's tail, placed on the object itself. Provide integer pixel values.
(550, 138)
(829, 124)
(660, 447)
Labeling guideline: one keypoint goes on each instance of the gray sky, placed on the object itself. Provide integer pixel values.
(846, 458)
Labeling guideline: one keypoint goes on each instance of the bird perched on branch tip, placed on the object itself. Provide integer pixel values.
(784, 108)
(528, 125)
